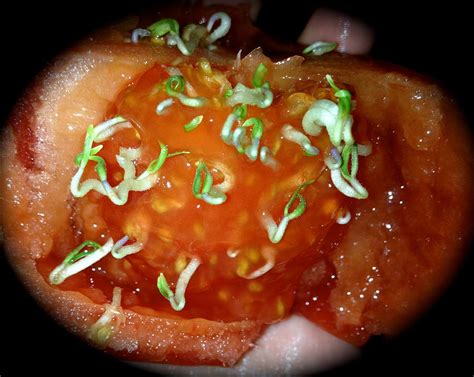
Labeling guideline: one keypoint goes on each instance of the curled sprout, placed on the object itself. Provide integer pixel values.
(118, 194)
(177, 299)
(260, 96)
(167, 30)
(291, 134)
(204, 189)
(79, 260)
(111, 320)
(345, 181)
(336, 118)
(194, 123)
(247, 145)
(238, 113)
(137, 34)
(343, 219)
(175, 87)
(221, 30)
(319, 48)
(276, 232)
(269, 255)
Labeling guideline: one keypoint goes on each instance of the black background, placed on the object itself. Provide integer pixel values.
(435, 39)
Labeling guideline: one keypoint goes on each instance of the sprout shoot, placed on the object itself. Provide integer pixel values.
(194, 123)
(291, 134)
(138, 34)
(204, 189)
(245, 144)
(276, 232)
(178, 300)
(119, 250)
(79, 260)
(163, 105)
(343, 179)
(221, 30)
(175, 87)
(238, 113)
(111, 320)
(319, 48)
(269, 255)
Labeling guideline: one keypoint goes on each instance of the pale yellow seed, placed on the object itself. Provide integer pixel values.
(118, 176)
(213, 259)
(199, 231)
(176, 181)
(254, 255)
(242, 267)
(137, 134)
(205, 66)
(255, 287)
(165, 235)
(223, 295)
(298, 103)
(276, 147)
(126, 265)
(136, 229)
(280, 307)
(242, 218)
(161, 205)
(180, 264)
(250, 179)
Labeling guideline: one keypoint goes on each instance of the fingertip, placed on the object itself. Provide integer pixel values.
(351, 35)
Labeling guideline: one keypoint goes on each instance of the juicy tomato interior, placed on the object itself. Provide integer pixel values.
(229, 240)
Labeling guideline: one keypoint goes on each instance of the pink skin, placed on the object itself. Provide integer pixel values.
(294, 345)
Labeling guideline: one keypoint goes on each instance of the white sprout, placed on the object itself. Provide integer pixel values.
(238, 59)
(229, 178)
(352, 189)
(110, 131)
(177, 299)
(120, 251)
(221, 30)
(137, 34)
(226, 132)
(343, 219)
(267, 159)
(269, 255)
(175, 40)
(191, 101)
(319, 48)
(232, 253)
(291, 134)
(112, 318)
(65, 270)
(275, 232)
(163, 105)
(108, 128)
